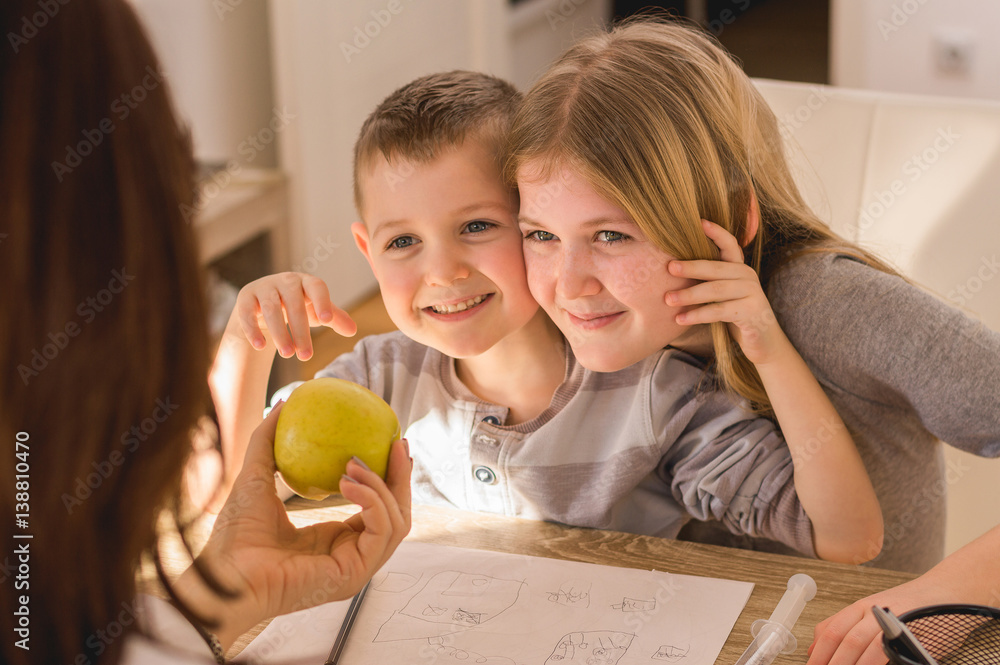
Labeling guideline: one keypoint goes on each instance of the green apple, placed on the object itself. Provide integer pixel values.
(323, 424)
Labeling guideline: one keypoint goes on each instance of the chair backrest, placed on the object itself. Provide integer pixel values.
(915, 179)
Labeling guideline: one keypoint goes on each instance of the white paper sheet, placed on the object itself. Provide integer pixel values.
(451, 606)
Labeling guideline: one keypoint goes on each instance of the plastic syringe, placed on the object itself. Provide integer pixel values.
(774, 635)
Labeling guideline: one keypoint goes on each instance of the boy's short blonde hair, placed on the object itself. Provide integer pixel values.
(432, 113)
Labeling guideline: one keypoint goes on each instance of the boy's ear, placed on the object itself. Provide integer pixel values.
(360, 233)
(753, 221)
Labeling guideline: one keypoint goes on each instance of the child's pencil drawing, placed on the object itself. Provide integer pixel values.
(449, 602)
(635, 605)
(601, 647)
(670, 653)
(434, 603)
(574, 593)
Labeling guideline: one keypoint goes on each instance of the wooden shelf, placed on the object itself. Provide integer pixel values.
(253, 203)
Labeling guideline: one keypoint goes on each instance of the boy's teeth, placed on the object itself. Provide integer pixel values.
(458, 307)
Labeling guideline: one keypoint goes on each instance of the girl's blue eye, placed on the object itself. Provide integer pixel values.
(402, 242)
(539, 236)
(611, 237)
(478, 226)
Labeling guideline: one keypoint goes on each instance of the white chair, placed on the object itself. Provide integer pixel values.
(915, 179)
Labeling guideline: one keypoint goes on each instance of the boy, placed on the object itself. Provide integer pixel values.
(643, 449)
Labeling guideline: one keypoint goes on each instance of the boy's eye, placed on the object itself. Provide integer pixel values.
(478, 226)
(402, 242)
(539, 236)
(611, 237)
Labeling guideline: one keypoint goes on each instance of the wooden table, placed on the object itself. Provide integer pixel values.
(839, 584)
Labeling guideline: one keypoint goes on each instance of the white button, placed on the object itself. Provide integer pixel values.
(485, 475)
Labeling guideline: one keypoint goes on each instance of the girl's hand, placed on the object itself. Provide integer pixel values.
(285, 305)
(730, 291)
(275, 567)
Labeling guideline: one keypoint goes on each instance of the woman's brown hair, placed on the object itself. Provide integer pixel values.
(664, 124)
(104, 340)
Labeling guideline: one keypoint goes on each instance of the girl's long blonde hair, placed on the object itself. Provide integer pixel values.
(663, 123)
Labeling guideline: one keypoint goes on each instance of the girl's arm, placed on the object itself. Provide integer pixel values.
(830, 478)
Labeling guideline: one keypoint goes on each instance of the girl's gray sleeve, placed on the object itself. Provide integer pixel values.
(879, 338)
(734, 467)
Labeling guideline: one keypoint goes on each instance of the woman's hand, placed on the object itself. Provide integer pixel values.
(729, 291)
(852, 636)
(299, 300)
(275, 567)
(969, 576)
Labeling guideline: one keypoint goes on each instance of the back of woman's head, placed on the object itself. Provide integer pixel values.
(664, 124)
(104, 337)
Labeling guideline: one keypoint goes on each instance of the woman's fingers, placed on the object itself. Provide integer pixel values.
(845, 638)
(379, 536)
(260, 450)
(398, 481)
(394, 493)
(385, 514)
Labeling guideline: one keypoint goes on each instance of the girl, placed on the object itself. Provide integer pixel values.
(622, 150)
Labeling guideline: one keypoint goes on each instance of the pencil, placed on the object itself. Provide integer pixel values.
(345, 628)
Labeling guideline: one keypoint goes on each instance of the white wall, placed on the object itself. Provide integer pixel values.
(540, 30)
(917, 46)
(216, 58)
(334, 61)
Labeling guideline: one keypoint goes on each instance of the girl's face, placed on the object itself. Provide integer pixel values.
(595, 273)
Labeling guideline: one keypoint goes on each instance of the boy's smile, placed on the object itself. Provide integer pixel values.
(451, 311)
(444, 244)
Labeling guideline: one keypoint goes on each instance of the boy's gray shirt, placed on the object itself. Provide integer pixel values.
(641, 450)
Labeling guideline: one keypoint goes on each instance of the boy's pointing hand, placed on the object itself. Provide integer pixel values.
(284, 306)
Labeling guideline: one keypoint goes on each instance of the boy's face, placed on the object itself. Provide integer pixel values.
(594, 272)
(443, 242)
